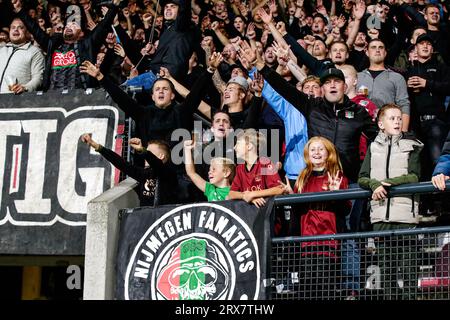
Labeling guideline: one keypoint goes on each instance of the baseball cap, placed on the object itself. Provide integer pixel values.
(177, 2)
(332, 72)
(240, 81)
(321, 39)
(424, 37)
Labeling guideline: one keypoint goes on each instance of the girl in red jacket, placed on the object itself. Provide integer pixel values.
(323, 172)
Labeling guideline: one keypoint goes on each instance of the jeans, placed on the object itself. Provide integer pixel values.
(349, 248)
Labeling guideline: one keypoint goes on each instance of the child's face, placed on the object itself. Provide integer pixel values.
(318, 154)
(391, 122)
(241, 148)
(216, 173)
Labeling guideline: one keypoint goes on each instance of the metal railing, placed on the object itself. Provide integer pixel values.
(404, 264)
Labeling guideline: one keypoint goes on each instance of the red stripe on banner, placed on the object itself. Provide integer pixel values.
(167, 279)
(118, 150)
(16, 164)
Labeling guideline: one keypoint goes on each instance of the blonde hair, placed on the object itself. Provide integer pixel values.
(332, 164)
(254, 137)
(227, 164)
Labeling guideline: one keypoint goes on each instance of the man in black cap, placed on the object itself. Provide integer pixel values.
(428, 85)
(334, 116)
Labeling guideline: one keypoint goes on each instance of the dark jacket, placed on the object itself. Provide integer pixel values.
(156, 182)
(431, 99)
(87, 47)
(342, 124)
(176, 44)
(156, 123)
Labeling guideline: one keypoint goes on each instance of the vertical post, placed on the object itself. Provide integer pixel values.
(31, 282)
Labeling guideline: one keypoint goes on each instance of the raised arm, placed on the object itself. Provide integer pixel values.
(39, 35)
(198, 90)
(204, 108)
(138, 173)
(123, 100)
(190, 168)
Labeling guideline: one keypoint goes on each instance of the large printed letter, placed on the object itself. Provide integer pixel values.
(34, 185)
(93, 177)
(7, 128)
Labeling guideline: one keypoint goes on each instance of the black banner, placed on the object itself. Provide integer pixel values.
(201, 251)
(47, 176)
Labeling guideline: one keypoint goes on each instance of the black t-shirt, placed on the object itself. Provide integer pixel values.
(376, 73)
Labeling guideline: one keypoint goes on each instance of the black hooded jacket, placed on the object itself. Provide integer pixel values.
(342, 124)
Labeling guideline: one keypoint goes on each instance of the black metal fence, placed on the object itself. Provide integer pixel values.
(405, 264)
(390, 265)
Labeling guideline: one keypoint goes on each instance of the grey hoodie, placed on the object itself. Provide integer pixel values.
(388, 87)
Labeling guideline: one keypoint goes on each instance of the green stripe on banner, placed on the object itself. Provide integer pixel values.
(193, 252)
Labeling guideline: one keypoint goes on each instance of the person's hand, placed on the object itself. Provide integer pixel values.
(148, 49)
(247, 196)
(87, 138)
(243, 9)
(379, 193)
(322, 10)
(259, 202)
(105, 10)
(359, 9)
(136, 144)
(215, 25)
(334, 182)
(281, 27)
(133, 73)
(17, 5)
(118, 49)
(90, 69)
(215, 59)
(189, 144)
(282, 53)
(386, 184)
(117, 2)
(18, 88)
(91, 25)
(272, 6)
(246, 51)
(416, 82)
(341, 21)
(87, 6)
(251, 33)
(439, 181)
(265, 16)
(147, 17)
(309, 40)
(257, 84)
(164, 73)
(287, 189)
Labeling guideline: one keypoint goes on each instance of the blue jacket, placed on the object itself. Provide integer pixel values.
(295, 127)
(443, 164)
